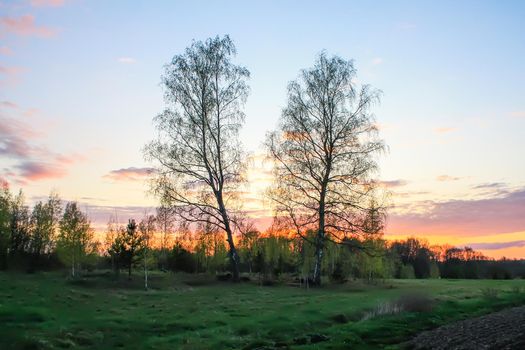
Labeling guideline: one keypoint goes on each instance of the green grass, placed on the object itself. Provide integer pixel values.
(47, 311)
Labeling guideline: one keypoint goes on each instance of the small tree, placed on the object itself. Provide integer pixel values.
(166, 226)
(147, 229)
(130, 245)
(75, 237)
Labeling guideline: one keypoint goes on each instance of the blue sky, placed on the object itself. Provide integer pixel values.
(83, 77)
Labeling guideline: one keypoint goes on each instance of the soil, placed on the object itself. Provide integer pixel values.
(502, 330)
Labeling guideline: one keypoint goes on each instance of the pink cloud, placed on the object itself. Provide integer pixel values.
(129, 174)
(6, 51)
(32, 162)
(47, 3)
(11, 70)
(35, 171)
(25, 26)
(498, 214)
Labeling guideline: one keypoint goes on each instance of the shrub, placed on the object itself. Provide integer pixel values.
(415, 303)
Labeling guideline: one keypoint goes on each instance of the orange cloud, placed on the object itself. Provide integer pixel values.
(25, 26)
(443, 178)
(444, 130)
(393, 183)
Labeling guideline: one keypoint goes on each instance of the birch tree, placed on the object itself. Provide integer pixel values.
(75, 237)
(199, 157)
(324, 153)
(146, 229)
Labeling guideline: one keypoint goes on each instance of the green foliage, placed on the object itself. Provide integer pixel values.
(126, 246)
(74, 241)
(44, 224)
(407, 271)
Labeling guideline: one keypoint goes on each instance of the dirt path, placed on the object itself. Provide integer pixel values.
(501, 330)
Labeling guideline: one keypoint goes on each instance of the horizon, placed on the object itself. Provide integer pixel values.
(80, 85)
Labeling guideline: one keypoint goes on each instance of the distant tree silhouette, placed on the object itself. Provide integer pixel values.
(324, 153)
(199, 157)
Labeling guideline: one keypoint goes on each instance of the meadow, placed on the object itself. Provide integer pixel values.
(49, 311)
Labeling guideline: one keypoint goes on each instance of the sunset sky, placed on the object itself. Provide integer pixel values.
(80, 84)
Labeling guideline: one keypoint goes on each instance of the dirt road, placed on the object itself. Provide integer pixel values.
(501, 330)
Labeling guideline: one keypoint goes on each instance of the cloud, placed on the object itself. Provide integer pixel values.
(32, 162)
(8, 104)
(490, 186)
(518, 114)
(393, 183)
(35, 171)
(100, 214)
(11, 70)
(25, 26)
(495, 215)
(6, 51)
(47, 3)
(126, 60)
(443, 178)
(129, 174)
(444, 130)
(377, 61)
(497, 245)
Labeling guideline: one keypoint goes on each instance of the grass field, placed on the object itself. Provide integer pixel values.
(47, 311)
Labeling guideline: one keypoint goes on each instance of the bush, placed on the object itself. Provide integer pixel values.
(415, 303)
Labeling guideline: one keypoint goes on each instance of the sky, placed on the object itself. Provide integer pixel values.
(80, 85)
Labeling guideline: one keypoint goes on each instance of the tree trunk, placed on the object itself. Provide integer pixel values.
(145, 272)
(318, 259)
(319, 240)
(234, 257)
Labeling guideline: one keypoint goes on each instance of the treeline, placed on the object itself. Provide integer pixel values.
(48, 236)
(52, 235)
